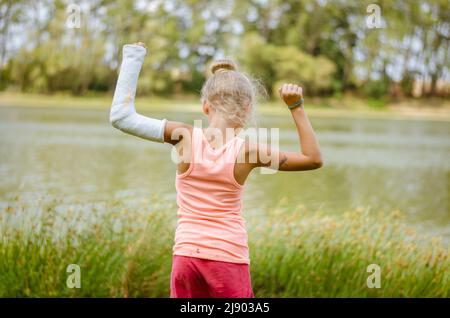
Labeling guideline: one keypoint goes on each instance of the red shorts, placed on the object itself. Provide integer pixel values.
(201, 278)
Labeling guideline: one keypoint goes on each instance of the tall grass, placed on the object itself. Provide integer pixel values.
(124, 250)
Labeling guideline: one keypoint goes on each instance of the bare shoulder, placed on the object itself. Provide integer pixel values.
(256, 154)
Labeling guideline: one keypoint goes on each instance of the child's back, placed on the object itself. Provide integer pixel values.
(210, 224)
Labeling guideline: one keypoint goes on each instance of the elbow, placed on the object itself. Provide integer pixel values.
(117, 116)
(317, 162)
(114, 122)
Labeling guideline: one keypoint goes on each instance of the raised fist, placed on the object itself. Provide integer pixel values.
(291, 93)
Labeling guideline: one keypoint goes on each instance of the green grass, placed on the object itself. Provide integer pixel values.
(376, 103)
(124, 250)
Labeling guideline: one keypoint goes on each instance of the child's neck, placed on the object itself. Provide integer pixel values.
(217, 122)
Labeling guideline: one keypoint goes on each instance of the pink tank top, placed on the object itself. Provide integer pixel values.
(209, 199)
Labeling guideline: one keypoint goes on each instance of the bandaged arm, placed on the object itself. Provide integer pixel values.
(123, 114)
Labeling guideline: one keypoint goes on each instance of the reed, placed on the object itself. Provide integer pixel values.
(124, 250)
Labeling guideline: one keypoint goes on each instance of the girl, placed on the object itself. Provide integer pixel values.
(210, 254)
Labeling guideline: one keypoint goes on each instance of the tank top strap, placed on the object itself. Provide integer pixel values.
(233, 149)
(197, 145)
(230, 157)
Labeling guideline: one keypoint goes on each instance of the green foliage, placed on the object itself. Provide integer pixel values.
(375, 89)
(376, 102)
(324, 45)
(278, 64)
(293, 65)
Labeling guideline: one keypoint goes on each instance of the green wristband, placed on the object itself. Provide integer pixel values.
(297, 104)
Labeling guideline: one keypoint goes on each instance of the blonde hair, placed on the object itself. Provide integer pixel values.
(231, 93)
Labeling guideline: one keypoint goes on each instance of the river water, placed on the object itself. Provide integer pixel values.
(378, 164)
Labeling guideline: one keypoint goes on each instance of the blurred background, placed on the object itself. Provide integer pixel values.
(377, 88)
(75, 46)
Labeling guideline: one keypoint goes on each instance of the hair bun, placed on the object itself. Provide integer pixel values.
(223, 65)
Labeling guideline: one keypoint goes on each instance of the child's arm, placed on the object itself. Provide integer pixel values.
(123, 115)
(309, 158)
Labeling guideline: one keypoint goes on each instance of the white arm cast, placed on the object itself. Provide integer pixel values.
(123, 115)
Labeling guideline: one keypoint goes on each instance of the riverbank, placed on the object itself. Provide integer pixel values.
(324, 107)
(124, 250)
